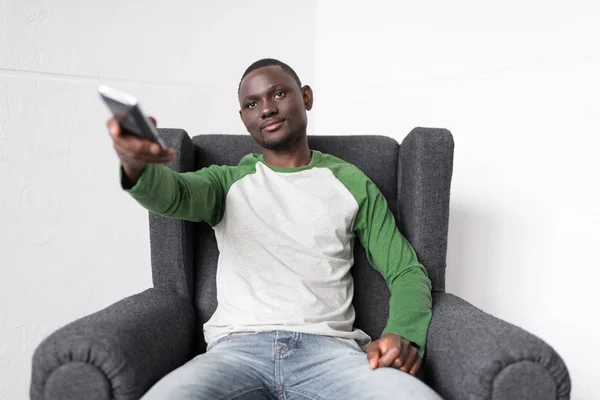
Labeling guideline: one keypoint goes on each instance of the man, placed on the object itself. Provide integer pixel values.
(285, 223)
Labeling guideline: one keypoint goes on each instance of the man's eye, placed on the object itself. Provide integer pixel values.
(252, 104)
(279, 95)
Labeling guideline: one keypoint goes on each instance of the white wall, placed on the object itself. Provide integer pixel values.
(71, 242)
(517, 84)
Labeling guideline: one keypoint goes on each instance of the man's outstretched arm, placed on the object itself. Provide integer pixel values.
(195, 196)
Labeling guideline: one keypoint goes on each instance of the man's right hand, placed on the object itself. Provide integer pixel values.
(135, 153)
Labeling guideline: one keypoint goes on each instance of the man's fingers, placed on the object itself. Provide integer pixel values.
(405, 350)
(153, 120)
(413, 371)
(113, 127)
(142, 152)
(384, 345)
(153, 159)
(373, 354)
(150, 158)
(135, 152)
(154, 149)
(373, 362)
(388, 358)
(134, 145)
(130, 146)
(412, 356)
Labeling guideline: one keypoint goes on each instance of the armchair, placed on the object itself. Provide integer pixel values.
(119, 352)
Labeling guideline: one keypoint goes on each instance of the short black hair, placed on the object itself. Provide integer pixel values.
(265, 62)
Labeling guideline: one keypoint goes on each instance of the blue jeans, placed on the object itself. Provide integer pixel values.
(286, 365)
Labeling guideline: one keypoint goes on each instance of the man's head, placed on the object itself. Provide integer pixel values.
(273, 104)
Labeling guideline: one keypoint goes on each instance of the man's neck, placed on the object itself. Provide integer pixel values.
(298, 156)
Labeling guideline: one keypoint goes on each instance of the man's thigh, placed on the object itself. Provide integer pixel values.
(340, 370)
(239, 367)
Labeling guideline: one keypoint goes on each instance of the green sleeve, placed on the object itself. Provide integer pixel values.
(391, 254)
(194, 196)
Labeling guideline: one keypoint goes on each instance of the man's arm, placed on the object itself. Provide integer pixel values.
(391, 254)
(193, 196)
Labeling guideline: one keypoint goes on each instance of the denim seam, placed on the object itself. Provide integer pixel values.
(277, 359)
(304, 393)
(238, 394)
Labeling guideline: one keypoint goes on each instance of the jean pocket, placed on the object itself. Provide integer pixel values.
(221, 340)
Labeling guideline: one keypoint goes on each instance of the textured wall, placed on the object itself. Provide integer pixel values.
(517, 83)
(70, 241)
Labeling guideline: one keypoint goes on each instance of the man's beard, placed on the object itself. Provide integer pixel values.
(283, 143)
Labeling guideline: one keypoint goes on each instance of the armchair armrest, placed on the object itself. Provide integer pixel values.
(425, 175)
(181, 142)
(473, 355)
(115, 353)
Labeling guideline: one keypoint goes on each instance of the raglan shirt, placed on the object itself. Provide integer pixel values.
(285, 237)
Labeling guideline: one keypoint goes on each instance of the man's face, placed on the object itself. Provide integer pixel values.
(273, 107)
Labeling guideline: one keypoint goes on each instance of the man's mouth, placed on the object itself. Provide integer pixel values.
(272, 125)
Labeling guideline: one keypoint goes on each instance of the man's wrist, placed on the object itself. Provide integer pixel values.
(131, 175)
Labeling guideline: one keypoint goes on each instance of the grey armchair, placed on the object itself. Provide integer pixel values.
(119, 352)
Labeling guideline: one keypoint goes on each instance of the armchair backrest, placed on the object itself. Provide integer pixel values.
(414, 178)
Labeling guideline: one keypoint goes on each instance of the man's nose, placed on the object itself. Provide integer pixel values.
(268, 109)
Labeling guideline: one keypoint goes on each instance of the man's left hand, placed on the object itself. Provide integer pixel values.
(394, 351)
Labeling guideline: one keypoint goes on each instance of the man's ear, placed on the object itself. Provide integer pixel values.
(307, 97)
